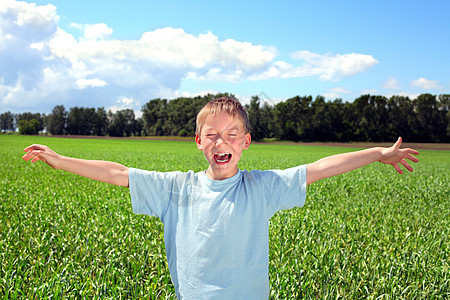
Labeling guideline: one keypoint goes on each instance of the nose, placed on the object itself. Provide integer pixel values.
(220, 140)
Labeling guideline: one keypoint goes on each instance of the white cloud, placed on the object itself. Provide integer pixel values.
(94, 31)
(425, 83)
(95, 82)
(391, 84)
(48, 66)
(22, 19)
(334, 66)
(97, 31)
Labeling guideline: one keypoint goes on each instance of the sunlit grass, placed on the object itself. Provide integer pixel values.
(367, 234)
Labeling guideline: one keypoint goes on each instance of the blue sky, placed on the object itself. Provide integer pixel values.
(95, 53)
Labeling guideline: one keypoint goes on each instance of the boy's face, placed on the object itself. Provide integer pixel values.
(222, 140)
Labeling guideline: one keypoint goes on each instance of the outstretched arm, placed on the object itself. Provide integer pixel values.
(342, 163)
(104, 171)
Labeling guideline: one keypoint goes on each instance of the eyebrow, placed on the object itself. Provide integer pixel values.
(212, 129)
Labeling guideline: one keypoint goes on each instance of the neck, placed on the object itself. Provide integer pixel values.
(219, 175)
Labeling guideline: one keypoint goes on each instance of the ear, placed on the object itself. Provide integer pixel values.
(247, 140)
(198, 141)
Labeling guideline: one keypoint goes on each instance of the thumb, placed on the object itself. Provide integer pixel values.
(397, 144)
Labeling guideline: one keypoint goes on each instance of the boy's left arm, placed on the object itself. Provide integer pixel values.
(342, 163)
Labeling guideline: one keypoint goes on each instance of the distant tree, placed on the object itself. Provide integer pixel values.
(29, 127)
(326, 121)
(154, 114)
(430, 125)
(368, 118)
(7, 122)
(57, 120)
(100, 123)
(267, 121)
(179, 113)
(81, 121)
(293, 118)
(371, 118)
(257, 127)
(401, 118)
(123, 123)
(444, 108)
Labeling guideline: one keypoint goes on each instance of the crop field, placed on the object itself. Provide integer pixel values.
(371, 233)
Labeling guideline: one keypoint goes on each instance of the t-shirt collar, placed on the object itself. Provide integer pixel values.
(211, 182)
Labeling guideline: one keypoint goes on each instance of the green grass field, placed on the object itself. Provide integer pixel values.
(367, 234)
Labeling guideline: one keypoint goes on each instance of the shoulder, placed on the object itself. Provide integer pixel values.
(275, 173)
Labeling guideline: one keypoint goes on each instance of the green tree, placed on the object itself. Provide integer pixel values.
(371, 116)
(33, 126)
(326, 121)
(430, 124)
(443, 106)
(268, 123)
(154, 115)
(123, 123)
(401, 118)
(257, 126)
(292, 117)
(57, 121)
(29, 127)
(81, 121)
(100, 122)
(7, 122)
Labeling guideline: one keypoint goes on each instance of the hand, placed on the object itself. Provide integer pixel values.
(395, 156)
(42, 153)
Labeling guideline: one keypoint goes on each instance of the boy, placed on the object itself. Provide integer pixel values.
(216, 222)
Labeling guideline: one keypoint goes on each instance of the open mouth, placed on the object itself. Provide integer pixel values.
(222, 158)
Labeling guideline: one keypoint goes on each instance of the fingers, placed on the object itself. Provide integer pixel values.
(411, 158)
(406, 165)
(397, 168)
(412, 151)
(35, 159)
(32, 155)
(34, 147)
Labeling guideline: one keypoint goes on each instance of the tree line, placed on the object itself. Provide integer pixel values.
(368, 118)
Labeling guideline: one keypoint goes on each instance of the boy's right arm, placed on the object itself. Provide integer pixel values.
(104, 171)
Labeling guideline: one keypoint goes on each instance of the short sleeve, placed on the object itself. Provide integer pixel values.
(286, 188)
(150, 191)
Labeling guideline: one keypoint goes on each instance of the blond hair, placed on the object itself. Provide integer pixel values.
(223, 104)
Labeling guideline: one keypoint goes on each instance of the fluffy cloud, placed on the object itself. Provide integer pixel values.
(95, 82)
(94, 31)
(334, 66)
(42, 65)
(425, 83)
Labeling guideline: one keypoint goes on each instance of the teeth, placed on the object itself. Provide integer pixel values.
(220, 157)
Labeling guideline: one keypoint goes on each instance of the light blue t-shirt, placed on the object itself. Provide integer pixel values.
(216, 233)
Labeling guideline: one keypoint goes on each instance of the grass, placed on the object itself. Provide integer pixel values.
(367, 234)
